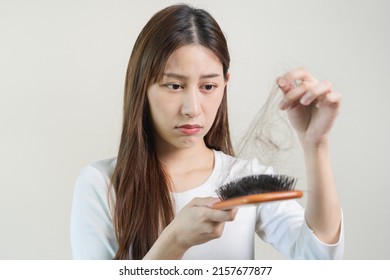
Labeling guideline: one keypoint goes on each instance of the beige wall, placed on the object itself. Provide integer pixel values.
(62, 66)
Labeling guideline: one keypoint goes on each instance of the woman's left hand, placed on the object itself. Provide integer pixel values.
(312, 106)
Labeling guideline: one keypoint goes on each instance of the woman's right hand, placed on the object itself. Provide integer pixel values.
(198, 222)
(195, 224)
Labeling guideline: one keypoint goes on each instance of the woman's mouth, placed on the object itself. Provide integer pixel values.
(189, 129)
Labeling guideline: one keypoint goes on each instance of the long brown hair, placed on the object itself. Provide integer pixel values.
(143, 205)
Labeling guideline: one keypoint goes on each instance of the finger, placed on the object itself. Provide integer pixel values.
(216, 215)
(204, 201)
(286, 82)
(332, 99)
(284, 85)
(298, 74)
(316, 92)
(294, 95)
(210, 214)
(216, 229)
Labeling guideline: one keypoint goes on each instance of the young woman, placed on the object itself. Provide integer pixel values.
(155, 199)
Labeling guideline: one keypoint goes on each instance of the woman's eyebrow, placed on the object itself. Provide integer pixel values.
(182, 77)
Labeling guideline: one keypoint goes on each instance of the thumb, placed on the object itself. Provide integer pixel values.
(204, 201)
(284, 84)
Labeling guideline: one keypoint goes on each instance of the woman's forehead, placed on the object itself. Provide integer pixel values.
(193, 60)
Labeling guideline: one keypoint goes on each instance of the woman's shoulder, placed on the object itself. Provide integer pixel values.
(105, 166)
(96, 176)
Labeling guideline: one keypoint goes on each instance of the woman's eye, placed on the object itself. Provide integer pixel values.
(174, 86)
(208, 87)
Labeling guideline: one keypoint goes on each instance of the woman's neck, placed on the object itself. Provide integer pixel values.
(187, 168)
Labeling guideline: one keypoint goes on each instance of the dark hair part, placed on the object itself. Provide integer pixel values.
(143, 205)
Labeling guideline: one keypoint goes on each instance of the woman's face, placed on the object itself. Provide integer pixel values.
(183, 105)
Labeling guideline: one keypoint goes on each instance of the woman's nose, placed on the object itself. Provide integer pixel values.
(191, 103)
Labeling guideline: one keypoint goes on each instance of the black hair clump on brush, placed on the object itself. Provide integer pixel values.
(256, 184)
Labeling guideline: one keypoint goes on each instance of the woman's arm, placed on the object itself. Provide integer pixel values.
(91, 229)
(323, 213)
(312, 107)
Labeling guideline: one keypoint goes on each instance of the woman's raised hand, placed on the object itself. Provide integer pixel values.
(312, 105)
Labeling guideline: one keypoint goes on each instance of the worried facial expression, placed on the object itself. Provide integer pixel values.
(184, 103)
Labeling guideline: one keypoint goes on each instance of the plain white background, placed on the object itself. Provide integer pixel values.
(62, 67)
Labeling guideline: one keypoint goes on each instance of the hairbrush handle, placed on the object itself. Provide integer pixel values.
(256, 198)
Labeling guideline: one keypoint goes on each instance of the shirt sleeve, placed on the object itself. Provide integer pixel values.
(282, 224)
(91, 229)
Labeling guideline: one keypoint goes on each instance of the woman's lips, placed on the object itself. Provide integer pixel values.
(189, 129)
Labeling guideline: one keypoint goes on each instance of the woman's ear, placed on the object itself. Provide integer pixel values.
(227, 77)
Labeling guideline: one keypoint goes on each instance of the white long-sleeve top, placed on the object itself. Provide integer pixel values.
(281, 224)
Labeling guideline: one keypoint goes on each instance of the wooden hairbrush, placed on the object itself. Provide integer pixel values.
(256, 189)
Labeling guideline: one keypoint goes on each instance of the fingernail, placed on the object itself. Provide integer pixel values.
(305, 100)
(282, 82)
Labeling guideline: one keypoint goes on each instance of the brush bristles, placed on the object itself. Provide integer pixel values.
(256, 184)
